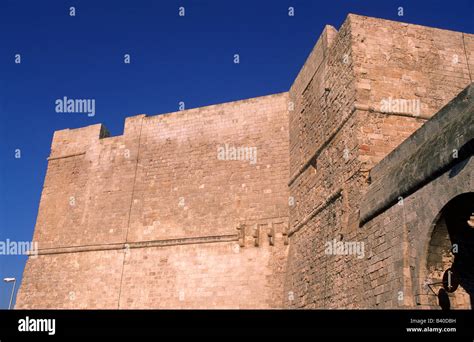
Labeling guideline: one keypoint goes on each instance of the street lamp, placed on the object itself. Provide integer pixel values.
(10, 280)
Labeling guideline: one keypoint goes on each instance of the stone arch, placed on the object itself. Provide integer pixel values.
(449, 263)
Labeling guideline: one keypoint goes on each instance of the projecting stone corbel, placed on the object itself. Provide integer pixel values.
(241, 234)
(256, 235)
(285, 234)
(271, 235)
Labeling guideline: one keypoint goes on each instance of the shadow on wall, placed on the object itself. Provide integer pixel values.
(443, 299)
(458, 213)
(466, 150)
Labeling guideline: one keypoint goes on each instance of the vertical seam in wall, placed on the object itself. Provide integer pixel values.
(407, 282)
(130, 211)
(325, 274)
(465, 54)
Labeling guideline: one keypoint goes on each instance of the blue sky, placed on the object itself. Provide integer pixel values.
(173, 59)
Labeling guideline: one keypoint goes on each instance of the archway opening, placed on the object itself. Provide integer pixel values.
(450, 261)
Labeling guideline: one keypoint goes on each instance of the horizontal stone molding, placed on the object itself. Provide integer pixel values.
(334, 196)
(321, 148)
(140, 244)
(356, 106)
(67, 156)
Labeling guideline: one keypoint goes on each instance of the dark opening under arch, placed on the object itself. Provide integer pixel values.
(450, 260)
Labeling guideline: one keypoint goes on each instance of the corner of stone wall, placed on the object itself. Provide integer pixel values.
(132, 125)
(68, 142)
(314, 60)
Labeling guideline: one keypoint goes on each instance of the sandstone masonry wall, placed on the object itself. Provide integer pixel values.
(153, 218)
(338, 131)
(150, 218)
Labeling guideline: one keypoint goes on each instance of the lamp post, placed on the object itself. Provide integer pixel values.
(10, 280)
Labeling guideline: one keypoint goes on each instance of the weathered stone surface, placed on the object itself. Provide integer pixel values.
(160, 203)
(443, 141)
(155, 219)
(338, 133)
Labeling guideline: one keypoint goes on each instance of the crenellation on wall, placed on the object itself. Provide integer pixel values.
(71, 142)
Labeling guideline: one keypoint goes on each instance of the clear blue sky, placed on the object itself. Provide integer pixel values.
(173, 59)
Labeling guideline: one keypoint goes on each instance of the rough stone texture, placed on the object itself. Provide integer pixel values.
(338, 132)
(153, 219)
(437, 145)
(159, 202)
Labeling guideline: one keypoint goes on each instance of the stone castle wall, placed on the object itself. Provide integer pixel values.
(339, 132)
(150, 218)
(154, 219)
